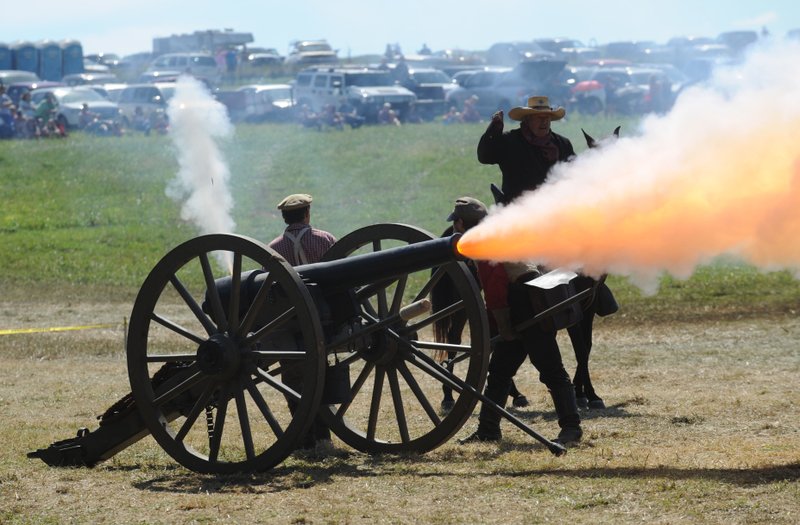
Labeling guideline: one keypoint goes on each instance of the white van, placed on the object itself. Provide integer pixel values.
(201, 65)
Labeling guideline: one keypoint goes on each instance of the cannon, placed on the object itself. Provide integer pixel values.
(232, 353)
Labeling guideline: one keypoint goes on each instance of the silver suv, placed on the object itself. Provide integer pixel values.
(200, 65)
(152, 98)
(361, 89)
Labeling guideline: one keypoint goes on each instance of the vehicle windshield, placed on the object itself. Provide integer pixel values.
(167, 92)
(368, 79)
(277, 94)
(79, 95)
(314, 47)
(431, 77)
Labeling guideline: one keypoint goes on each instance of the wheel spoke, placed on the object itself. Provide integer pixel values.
(375, 404)
(219, 424)
(418, 393)
(244, 423)
(399, 412)
(178, 385)
(399, 290)
(212, 294)
(207, 323)
(262, 405)
(236, 292)
(255, 306)
(356, 388)
(171, 358)
(277, 385)
(435, 278)
(191, 417)
(175, 327)
(269, 327)
(444, 312)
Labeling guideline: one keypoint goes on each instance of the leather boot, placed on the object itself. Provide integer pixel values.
(489, 420)
(567, 411)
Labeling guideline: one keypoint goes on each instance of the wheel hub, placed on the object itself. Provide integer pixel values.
(218, 356)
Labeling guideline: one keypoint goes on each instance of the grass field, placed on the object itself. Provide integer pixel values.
(700, 378)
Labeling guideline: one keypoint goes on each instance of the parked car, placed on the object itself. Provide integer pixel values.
(431, 87)
(200, 65)
(16, 89)
(512, 53)
(259, 103)
(152, 98)
(80, 79)
(309, 52)
(625, 90)
(361, 89)
(260, 57)
(11, 76)
(71, 100)
(110, 91)
(503, 88)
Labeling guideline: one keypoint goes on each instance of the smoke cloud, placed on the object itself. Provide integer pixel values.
(197, 122)
(719, 174)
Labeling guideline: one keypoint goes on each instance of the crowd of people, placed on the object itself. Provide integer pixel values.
(26, 120)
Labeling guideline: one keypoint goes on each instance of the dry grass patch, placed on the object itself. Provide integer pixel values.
(701, 426)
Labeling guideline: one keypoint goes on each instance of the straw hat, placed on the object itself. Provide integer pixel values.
(539, 106)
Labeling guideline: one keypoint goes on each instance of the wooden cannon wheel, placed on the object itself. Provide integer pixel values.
(207, 385)
(396, 384)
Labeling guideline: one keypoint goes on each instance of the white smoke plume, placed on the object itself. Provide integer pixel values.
(719, 174)
(197, 123)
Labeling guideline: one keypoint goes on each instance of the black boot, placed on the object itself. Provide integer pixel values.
(567, 410)
(489, 420)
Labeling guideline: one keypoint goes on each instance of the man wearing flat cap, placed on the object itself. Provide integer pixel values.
(526, 154)
(508, 304)
(300, 243)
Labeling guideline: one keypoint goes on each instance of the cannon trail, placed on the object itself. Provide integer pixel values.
(719, 174)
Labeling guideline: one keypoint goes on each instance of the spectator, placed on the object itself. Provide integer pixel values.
(332, 118)
(470, 111)
(388, 116)
(309, 119)
(7, 115)
(140, 122)
(452, 116)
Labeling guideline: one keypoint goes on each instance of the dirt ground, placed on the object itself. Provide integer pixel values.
(702, 426)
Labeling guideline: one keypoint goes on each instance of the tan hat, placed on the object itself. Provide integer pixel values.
(295, 202)
(468, 209)
(537, 106)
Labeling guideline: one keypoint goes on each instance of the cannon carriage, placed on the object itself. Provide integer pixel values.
(232, 353)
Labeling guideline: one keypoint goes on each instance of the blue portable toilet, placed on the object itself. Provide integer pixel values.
(6, 59)
(25, 57)
(71, 57)
(49, 60)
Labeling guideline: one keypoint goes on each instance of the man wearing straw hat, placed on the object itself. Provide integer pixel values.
(526, 154)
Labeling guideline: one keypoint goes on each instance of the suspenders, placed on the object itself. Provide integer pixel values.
(299, 253)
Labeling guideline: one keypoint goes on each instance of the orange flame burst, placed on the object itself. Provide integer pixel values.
(705, 180)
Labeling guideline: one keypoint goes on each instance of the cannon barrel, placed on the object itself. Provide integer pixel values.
(381, 265)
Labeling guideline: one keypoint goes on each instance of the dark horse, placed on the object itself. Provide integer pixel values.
(601, 302)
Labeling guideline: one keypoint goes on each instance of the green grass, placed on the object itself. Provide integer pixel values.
(91, 214)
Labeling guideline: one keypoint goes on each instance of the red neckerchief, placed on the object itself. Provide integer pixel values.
(544, 144)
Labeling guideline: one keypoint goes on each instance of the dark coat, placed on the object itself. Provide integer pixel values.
(524, 167)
